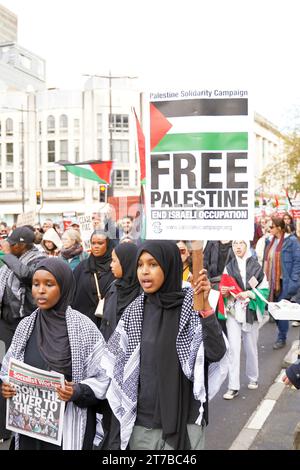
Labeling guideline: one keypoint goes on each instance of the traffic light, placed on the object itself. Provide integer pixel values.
(38, 195)
(103, 193)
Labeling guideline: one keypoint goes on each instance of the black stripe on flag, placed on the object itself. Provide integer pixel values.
(203, 107)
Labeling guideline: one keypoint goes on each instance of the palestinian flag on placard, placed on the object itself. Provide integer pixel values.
(90, 170)
(199, 124)
(141, 148)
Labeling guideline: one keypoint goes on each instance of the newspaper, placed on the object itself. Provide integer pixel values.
(284, 310)
(35, 410)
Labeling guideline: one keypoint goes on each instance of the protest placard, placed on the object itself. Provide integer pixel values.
(35, 410)
(86, 229)
(199, 165)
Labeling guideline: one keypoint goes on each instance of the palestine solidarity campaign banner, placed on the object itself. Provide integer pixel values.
(199, 165)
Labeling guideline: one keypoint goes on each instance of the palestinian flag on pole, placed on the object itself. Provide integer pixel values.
(199, 124)
(90, 170)
(141, 147)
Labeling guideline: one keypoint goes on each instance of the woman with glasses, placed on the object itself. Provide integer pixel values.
(282, 267)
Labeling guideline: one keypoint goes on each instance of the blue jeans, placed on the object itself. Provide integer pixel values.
(283, 327)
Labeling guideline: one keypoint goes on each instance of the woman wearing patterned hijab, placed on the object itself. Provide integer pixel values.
(56, 337)
(159, 346)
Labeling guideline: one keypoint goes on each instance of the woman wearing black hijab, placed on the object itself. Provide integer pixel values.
(98, 263)
(159, 346)
(123, 290)
(55, 337)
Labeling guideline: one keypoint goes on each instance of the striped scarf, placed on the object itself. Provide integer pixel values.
(87, 346)
(272, 266)
(121, 361)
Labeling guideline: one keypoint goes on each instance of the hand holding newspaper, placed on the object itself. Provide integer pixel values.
(35, 410)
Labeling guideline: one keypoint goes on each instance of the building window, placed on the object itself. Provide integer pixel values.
(40, 153)
(9, 180)
(41, 179)
(76, 124)
(63, 122)
(119, 122)
(0, 180)
(64, 150)
(99, 149)
(64, 178)
(9, 154)
(0, 153)
(99, 123)
(21, 129)
(51, 178)
(120, 151)
(40, 127)
(51, 151)
(76, 151)
(25, 62)
(0, 128)
(121, 178)
(51, 124)
(9, 126)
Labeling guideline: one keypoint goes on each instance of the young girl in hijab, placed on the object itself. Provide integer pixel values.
(123, 290)
(56, 337)
(245, 310)
(86, 295)
(164, 357)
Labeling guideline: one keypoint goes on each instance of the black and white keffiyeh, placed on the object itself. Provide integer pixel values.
(121, 361)
(9, 279)
(87, 347)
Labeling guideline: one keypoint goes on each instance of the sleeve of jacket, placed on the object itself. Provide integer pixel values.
(214, 344)
(295, 274)
(23, 271)
(293, 374)
(83, 396)
(206, 255)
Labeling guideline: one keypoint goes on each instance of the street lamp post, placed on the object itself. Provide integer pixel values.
(22, 159)
(23, 163)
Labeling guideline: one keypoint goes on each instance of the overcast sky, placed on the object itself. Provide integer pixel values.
(248, 43)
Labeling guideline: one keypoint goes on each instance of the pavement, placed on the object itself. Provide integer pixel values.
(272, 425)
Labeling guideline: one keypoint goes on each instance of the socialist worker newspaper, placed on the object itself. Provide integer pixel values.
(35, 410)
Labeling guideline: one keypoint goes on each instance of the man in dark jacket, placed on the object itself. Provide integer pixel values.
(20, 258)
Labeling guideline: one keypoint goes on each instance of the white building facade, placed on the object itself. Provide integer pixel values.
(39, 129)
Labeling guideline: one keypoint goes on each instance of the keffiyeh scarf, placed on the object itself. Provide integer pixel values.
(9, 279)
(87, 346)
(121, 361)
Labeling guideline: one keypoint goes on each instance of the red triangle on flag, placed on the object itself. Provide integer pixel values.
(159, 126)
(103, 170)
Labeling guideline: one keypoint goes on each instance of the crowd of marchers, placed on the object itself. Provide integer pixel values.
(145, 361)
